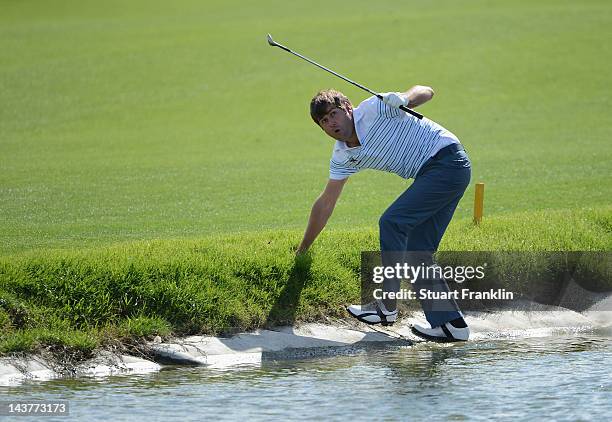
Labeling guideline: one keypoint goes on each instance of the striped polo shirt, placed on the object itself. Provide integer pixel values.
(391, 140)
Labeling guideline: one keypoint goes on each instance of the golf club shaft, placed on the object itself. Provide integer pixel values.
(406, 109)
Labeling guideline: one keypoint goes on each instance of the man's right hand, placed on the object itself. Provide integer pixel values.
(320, 213)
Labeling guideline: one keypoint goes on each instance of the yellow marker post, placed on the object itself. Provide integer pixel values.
(478, 202)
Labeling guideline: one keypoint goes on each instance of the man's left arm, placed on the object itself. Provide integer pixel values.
(418, 95)
(412, 98)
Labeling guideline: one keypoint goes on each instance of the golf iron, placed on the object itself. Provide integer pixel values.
(275, 44)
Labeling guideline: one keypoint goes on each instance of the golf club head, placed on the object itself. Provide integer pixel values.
(270, 40)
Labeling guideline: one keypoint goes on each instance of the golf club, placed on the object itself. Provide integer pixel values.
(275, 44)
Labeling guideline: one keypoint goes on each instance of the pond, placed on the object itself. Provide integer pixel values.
(562, 377)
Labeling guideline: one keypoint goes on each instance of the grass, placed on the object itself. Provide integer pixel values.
(84, 299)
(158, 163)
(141, 121)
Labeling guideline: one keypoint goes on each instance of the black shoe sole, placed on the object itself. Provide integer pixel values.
(383, 323)
(433, 338)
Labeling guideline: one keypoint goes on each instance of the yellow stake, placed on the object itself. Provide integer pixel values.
(478, 202)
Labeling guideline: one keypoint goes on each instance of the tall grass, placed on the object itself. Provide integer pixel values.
(223, 284)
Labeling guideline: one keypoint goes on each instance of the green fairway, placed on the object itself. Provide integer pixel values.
(139, 120)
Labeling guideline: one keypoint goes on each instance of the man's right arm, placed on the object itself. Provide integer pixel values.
(321, 211)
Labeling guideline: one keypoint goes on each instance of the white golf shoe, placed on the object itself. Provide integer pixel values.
(443, 333)
(373, 313)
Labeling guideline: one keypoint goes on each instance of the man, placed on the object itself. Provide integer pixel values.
(378, 135)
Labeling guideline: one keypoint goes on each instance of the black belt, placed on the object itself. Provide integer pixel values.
(449, 149)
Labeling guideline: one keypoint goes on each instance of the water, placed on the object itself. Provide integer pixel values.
(559, 377)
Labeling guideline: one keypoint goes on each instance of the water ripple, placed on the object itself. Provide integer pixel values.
(558, 377)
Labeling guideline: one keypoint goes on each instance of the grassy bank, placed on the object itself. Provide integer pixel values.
(78, 300)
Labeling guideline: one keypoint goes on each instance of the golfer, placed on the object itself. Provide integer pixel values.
(378, 135)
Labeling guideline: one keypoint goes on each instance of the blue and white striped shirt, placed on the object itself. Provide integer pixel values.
(391, 140)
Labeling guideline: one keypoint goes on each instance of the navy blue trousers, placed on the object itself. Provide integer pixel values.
(417, 220)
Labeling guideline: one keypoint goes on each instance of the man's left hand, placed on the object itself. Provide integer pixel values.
(394, 99)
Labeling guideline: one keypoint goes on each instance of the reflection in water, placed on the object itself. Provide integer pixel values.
(562, 377)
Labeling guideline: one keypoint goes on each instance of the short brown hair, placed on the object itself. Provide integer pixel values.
(321, 103)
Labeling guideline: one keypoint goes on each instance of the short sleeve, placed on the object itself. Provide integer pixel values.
(342, 164)
(339, 171)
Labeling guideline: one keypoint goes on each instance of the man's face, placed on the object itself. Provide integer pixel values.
(338, 123)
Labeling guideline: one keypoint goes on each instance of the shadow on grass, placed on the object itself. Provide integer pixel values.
(284, 310)
(285, 343)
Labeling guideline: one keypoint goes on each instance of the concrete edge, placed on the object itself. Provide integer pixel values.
(306, 340)
(17, 370)
(301, 341)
